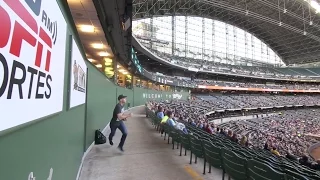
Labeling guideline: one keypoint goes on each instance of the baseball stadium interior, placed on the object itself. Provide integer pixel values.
(217, 89)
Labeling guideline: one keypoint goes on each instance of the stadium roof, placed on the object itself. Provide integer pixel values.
(290, 27)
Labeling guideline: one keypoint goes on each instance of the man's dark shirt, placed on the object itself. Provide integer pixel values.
(305, 162)
(234, 139)
(117, 109)
(292, 157)
(316, 167)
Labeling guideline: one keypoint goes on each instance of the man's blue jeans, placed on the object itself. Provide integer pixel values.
(122, 128)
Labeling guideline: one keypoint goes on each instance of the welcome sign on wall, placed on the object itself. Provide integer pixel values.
(32, 60)
(78, 78)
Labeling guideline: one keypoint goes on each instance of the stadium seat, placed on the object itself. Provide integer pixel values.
(261, 171)
(196, 148)
(234, 165)
(185, 143)
(212, 155)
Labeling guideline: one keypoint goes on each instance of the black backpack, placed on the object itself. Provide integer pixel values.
(99, 137)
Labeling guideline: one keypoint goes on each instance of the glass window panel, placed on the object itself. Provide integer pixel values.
(215, 40)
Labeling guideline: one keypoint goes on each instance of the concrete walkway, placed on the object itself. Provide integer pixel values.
(147, 157)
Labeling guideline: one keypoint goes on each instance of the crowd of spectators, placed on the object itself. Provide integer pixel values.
(215, 102)
(290, 86)
(296, 86)
(284, 133)
(212, 66)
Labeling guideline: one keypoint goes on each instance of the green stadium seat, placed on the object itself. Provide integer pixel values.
(196, 148)
(175, 135)
(234, 165)
(294, 175)
(261, 171)
(212, 155)
(185, 143)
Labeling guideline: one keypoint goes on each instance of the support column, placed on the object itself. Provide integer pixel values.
(186, 36)
(173, 29)
(152, 33)
(268, 57)
(227, 42)
(213, 40)
(262, 53)
(246, 44)
(203, 38)
(234, 43)
(252, 47)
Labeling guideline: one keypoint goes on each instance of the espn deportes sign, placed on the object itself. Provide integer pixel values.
(32, 60)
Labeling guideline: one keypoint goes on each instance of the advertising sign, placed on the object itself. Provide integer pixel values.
(32, 60)
(176, 96)
(78, 77)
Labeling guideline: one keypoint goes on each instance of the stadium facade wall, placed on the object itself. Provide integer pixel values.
(57, 142)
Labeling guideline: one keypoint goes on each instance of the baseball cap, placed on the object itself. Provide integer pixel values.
(121, 97)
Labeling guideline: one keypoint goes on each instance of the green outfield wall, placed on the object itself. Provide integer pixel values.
(58, 141)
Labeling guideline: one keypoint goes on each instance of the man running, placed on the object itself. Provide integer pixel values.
(117, 121)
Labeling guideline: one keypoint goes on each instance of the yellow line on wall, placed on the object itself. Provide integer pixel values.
(192, 173)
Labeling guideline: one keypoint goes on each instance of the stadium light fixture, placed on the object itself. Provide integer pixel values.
(108, 63)
(107, 60)
(109, 68)
(314, 4)
(104, 53)
(97, 45)
(91, 60)
(87, 28)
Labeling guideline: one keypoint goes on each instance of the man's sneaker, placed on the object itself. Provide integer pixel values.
(110, 141)
(120, 148)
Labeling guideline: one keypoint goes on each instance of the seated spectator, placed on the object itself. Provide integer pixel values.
(181, 127)
(247, 143)
(234, 138)
(243, 141)
(156, 111)
(316, 166)
(222, 131)
(304, 160)
(193, 123)
(160, 113)
(166, 117)
(275, 151)
(164, 120)
(230, 134)
(200, 125)
(266, 146)
(208, 129)
(291, 156)
(171, 121)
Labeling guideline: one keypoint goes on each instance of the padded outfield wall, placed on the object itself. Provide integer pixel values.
(55, 144)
